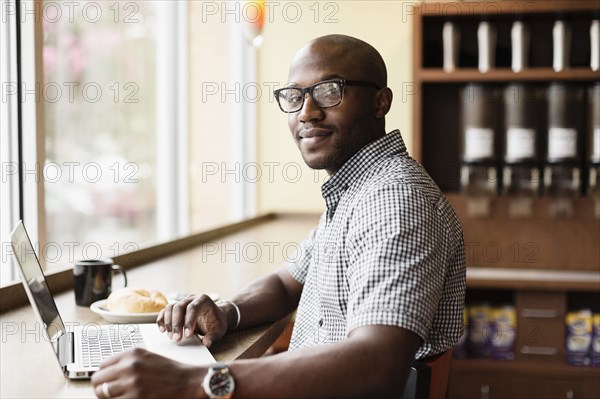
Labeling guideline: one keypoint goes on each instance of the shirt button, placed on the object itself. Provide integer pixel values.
(321, 323)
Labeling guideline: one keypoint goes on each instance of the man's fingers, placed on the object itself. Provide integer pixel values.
(196, 312)
(192, 314)
(109, 370)
(210, 337)
(116, 374)
(110, 389)
(111, 360)
(207, 341)
(114, 359)
(160, 320)
(191, 317)
(178, 317)
(166, 320)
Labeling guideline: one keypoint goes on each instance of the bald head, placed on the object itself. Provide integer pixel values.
(354, 58)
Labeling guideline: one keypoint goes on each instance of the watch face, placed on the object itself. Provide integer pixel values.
(221, 384)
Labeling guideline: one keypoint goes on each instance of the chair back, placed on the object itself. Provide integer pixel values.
(440, 372)
(428, 378)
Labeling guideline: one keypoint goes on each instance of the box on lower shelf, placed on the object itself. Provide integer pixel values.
(549, 326)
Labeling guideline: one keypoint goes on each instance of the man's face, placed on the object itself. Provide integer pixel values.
(328, 137)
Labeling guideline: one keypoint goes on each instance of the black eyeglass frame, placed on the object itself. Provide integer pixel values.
(342, 82)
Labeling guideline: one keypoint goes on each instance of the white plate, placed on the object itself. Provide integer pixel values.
(99, 307)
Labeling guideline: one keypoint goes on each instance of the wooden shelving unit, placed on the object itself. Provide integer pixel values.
(495, 379)
(477, 8)
(532, 279)
(436, 75)
(535, 263)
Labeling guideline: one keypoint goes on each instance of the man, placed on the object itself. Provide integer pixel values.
(379, 282)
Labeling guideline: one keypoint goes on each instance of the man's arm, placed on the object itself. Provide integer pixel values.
(268, 299)
(372, 363)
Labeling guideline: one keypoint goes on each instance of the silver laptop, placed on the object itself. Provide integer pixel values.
(80, 351)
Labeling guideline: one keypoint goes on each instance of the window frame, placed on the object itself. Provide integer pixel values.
(21, 69)
(172, 186)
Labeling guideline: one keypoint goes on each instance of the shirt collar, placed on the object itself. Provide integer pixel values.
(362, 161)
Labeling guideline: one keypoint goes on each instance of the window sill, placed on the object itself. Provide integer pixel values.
(13, 295)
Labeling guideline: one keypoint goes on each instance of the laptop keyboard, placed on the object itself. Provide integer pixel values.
(100, 344)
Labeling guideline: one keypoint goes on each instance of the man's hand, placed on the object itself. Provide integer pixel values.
(195, 314)
(141, 374)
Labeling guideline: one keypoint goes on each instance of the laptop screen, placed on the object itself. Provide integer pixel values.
(35, 283)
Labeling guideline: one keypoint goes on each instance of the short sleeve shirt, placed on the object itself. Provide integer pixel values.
(388, 250)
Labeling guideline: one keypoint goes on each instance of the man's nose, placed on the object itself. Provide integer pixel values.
(310, 110)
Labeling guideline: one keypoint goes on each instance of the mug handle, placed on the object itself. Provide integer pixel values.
(119, 269)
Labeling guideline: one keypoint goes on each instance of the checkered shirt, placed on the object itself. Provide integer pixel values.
(388, 250)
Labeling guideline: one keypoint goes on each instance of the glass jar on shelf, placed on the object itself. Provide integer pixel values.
(562, 173)
(478, 173)
(523, 105)
(593, 145)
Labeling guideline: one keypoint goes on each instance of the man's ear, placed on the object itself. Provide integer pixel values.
(383, 102)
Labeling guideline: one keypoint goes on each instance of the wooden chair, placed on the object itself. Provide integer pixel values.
(428, 378)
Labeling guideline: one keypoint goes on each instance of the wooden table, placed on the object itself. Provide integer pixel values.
(28, 367)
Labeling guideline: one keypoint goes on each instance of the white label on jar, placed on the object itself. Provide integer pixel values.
(479, 143)
(520, 143)
(562, 143)
(596, 145)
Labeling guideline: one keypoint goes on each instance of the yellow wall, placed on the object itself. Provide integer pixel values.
(387, 25)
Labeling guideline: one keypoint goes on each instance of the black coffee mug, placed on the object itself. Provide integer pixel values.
(93, 280)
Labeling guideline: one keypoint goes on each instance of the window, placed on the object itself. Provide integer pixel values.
(120, 161)
(100, 123)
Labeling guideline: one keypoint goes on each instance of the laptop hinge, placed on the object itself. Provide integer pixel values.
(66, 349)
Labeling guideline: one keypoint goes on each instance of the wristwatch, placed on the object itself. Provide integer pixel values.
(218, 382)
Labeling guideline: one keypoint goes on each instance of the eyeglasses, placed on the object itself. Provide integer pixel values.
(326, 94)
